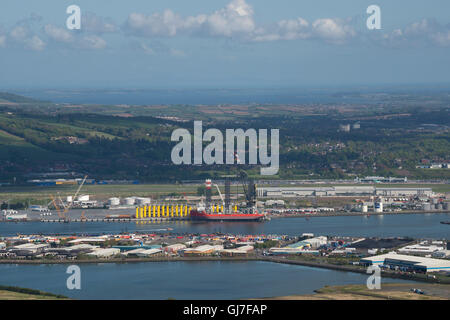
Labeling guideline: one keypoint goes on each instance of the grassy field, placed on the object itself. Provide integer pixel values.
(15, 293)
(98, 191)
(391, 291)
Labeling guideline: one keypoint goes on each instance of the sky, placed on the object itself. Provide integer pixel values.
(222, 44)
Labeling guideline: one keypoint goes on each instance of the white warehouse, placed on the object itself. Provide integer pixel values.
(340, 191)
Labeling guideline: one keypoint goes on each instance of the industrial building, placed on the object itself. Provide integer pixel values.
(150, 252)
(313, 243)
(30, 248)
(287, 250)
(421, 249)
(407, 263)
(303, 246)
(104, 253)
(203, 250)
(87, 240)
(143, 252)
(174, 248)
(340, 191)
(240, 251)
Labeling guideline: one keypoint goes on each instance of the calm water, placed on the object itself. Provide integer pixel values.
(180, 280)
(210, 280)
(414, 225)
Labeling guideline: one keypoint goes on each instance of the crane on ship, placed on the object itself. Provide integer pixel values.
(249, 187)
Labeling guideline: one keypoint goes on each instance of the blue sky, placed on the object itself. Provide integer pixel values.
(215, 43)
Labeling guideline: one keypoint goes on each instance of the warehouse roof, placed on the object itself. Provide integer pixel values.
(429, 263)
(148, 252)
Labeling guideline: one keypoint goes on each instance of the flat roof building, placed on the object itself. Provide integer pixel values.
(340, 191)
(149, 252)
(412, 263)
(104, 253)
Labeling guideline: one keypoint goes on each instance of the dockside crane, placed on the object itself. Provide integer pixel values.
(61, 215)
(67, 208)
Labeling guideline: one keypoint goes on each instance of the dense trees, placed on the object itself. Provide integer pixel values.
(111, 147)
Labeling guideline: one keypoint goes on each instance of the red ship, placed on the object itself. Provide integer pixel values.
(203, 215)
(225, 212)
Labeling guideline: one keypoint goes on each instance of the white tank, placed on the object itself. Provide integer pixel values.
(142, 201)
(114, 201)
(364, 208)
(378, 206)
(69, 199)
(129, 201)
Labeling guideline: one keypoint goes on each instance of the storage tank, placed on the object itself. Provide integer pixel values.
(142, 201)
(378, 206)
(364, 208)
(114, 201)
(445, 206)
(69, 199)
(439, 206)
(426, 206)
(129, 201)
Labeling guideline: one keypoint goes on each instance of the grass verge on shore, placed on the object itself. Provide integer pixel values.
(17, 293)
(390, 291)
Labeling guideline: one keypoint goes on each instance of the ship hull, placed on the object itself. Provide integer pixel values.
(203, 216)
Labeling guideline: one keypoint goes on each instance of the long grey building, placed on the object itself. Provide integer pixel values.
(340, 191)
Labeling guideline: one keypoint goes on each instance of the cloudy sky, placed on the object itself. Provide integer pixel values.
(222, 43)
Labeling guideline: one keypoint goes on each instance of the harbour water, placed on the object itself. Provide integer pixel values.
(180, 280)
(213, 279)
(411, 225)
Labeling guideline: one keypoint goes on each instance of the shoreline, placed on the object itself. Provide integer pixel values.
(277, 216)
(329, 266)
(351, 214)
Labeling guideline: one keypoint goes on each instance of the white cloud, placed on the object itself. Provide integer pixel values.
(2, 41)
(92, 23)
(58, 34)
(284, 30)
(335, 31)
(93, 42)
(426, 31)
(235, 19)
(157, 24)
(19, 33)
(442, 38)
(35, 43)
(22, 35)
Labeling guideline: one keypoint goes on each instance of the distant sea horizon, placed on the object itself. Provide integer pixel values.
(215, 96)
